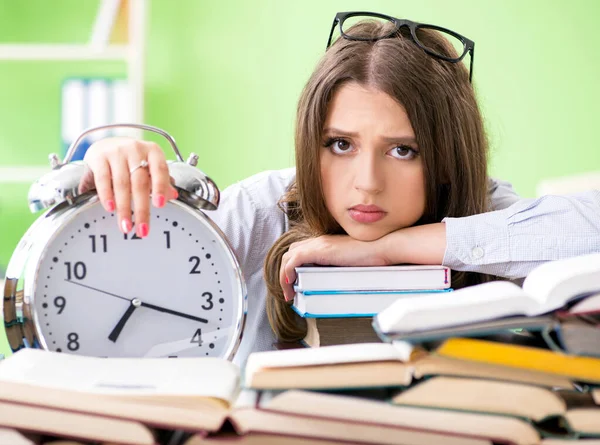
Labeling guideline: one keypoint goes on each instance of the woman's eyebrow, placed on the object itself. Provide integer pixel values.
(387, 139)
(327, 130)
(402, 139)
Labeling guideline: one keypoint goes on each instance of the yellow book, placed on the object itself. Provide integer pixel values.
(585, 369)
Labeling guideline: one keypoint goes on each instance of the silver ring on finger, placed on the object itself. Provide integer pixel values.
(142, 164)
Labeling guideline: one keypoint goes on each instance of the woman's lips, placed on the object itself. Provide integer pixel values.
(366, 214)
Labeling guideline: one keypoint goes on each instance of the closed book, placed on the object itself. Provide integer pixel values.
(374, 365)
(284, 423)
(548, 288)
(340, 331)
(581, 369)
(392, 423)
(371, 278)
(337, 304)
(552, 413)
(332, 367)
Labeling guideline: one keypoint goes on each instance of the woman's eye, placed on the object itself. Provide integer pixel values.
(339, 146)
(403, 152)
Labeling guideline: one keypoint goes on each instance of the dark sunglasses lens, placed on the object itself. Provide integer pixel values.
(354, 27)
(440, 43)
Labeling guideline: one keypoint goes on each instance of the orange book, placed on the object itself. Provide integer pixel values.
(585, 369)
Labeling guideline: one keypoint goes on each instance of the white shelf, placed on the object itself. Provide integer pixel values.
(33, 52)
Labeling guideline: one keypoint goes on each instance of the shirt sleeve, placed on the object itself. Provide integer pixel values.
(511, 241)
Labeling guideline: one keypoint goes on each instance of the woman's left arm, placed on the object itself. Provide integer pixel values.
(513, 241)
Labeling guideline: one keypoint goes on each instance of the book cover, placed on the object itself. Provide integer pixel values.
(372, 278)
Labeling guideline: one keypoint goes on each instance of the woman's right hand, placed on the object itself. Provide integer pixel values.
(109, 163)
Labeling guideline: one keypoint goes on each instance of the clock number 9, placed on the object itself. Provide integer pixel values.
(79, 270)
(60, 303)
(209, 301)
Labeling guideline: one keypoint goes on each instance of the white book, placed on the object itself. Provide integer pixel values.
(547, 288)
(373, 278)
(342, 304)
(331, 367)
(129, 378)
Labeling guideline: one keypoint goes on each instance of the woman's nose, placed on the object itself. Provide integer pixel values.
(368, 173)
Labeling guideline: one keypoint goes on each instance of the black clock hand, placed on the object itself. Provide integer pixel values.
(114, 335)
(172, 312)
(148, 305)
(98, 290)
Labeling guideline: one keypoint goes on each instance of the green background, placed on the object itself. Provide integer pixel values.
(223, 78)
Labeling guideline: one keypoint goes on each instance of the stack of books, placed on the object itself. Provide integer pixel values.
(511, 365)
(466, 392)
(341, 301)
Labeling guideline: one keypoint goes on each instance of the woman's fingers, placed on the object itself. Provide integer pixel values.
(122, 191)
(287, 273)
(120, 183)
(284, 281)
(140, 192)
(162, 190)
(101, 178)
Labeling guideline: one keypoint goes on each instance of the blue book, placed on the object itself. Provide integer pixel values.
(345, 304)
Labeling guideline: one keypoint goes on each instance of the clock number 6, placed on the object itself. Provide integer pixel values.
(209, 301)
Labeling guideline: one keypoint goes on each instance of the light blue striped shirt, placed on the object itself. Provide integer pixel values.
(520, 234)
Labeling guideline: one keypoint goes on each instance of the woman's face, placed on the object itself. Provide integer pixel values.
(371, 170)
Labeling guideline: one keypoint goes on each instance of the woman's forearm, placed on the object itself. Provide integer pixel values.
(424, 244)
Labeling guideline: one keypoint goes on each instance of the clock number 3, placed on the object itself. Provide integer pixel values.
(209, 303)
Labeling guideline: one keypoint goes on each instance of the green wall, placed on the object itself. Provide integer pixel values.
(223, 77)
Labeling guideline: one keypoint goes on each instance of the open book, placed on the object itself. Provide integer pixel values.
(551, 412)
(547, 288)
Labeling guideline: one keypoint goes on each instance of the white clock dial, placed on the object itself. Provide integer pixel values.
(176, 293)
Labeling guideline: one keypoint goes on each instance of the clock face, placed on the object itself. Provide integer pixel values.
(175, 293)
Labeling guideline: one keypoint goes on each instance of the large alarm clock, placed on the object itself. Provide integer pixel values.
(76, 284)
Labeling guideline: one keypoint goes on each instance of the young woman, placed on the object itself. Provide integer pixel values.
(390, 168)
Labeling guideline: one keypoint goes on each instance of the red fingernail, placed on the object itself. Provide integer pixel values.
(110, 205)
(159, 201)
(126, 225)
(287, 281)
(144, 230)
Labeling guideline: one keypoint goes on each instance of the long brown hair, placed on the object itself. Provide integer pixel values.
(441, 105)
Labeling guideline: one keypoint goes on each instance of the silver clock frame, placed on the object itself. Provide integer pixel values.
(58, 192)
